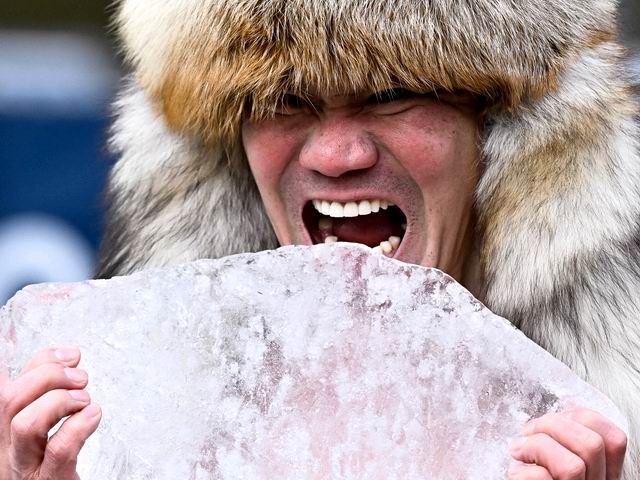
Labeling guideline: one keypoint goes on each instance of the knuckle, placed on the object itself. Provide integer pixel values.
(60, 450)
(23, 426)
(594, 445)
(5, 400)
(617, 440)
(575, 469)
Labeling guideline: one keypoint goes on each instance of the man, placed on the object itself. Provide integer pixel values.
(493, 140)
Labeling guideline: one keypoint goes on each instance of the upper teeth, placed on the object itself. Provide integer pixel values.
(350, 209)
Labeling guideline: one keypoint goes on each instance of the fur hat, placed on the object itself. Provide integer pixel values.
(558, 204)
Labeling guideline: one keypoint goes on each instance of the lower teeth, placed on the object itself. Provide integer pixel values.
(386, 247)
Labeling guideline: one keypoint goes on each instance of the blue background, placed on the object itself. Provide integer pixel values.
(55, 166)
(56, 88)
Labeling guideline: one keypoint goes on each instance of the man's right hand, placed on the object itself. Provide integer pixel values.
(48, 389)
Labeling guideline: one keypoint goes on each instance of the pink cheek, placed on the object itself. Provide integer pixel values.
(268, 152)
(441, 146)
(428, 160)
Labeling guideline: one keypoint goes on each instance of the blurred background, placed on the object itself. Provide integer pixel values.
(59, 71)
(58, 74)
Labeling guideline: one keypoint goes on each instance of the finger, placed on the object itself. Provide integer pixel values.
(30, 427)
(4, 373)
(521, 471)
(62, 451)
(4, 382)
(575, 437)
(615, 440)
(32, 385)
(67, 355)
(540, 449)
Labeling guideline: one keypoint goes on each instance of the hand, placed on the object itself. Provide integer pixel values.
(578, 444)
(47, 390)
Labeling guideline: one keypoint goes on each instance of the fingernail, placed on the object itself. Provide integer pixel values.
(80, 395)
(76, 374)
(517, 444)
(91, 410)
(66, 354)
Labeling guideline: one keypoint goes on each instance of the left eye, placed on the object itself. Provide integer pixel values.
(390, 95)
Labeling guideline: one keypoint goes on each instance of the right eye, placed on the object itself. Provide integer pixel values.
(291, 104)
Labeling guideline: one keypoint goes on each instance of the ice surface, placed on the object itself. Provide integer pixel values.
(324, 362)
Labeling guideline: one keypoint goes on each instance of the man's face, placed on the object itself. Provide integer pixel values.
(369, 168)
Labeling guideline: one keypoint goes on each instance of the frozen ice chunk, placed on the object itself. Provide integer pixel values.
(325, 362)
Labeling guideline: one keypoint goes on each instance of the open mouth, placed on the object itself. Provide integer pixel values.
(376, 223)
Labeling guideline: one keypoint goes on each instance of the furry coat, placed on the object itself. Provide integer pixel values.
(558, 203)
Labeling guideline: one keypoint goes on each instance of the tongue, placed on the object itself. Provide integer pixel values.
(368, 229)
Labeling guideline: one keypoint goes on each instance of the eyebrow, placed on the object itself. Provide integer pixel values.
(359, 98)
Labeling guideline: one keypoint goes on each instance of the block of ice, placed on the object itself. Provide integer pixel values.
(324, 362)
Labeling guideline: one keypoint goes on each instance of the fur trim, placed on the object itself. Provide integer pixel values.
(558, 204)
(204, 61)
(559, 208)
(171, 200)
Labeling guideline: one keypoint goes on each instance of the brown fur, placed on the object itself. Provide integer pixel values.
(232, 52)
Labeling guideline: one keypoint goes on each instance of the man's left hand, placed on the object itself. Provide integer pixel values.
(578, 444)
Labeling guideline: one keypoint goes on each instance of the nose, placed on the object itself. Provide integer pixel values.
(336, 147)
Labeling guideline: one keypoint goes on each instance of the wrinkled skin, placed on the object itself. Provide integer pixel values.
(48, 389)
